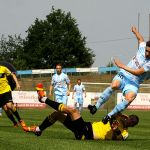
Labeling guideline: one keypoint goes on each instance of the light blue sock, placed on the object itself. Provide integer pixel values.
(0, 109)
(104, 97)
(119, 107)
(80, 107)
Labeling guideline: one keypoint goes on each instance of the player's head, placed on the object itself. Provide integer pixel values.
(147, 51)
(58, 68)
(78, 81)
(131, 121)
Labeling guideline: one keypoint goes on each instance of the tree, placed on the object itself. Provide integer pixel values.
(56, 39)
(11, 49)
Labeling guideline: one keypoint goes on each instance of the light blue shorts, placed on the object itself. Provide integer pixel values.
(61, 99)
(126, 85)
(79, 100)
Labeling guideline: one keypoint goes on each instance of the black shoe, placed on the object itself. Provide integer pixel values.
(106, 119)
(92, 109)
(37, 131)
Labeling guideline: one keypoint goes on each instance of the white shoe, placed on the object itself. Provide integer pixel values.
(0, 114)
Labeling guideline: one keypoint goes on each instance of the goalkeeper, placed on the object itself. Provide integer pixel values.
(115, 129)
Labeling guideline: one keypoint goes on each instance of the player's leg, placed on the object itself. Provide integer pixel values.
(0, 111)
(13, 109)
(64, 99)
(78, 123)
(4, 99)
(59, 106)
(10, 116)
(76, 103)
(116, 84)
(130, 92)
(47, 122)
(77, 126)
(76, 119)
(58, 98)
(61, 99)
(80, 107)
(129, 96)
(75, 122)
(51, 119)
(73, 113)
(80, 104)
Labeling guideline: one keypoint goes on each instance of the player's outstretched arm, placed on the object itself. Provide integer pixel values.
(16, 80)
(133, 71)
(137, 34)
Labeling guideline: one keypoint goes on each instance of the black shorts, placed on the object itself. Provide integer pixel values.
(88, 133)
(81, 129)
(5, 98)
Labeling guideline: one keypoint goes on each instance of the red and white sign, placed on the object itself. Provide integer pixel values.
(142, 101)
(29, 99)
(26, 99)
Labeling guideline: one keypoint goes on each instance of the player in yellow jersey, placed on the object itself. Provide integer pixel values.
(6, 96)
(115, 129)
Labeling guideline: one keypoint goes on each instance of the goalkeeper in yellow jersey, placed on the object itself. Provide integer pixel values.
(115, 129)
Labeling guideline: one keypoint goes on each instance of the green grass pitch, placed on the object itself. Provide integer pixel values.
(59, 138)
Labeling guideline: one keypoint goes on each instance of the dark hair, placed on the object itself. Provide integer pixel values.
(148, 43)
(78, 79)
(9, 66)
(135, 119)
(59, 65)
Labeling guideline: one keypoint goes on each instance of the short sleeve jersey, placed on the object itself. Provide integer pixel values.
(79, 89)
(4, 86)
(137, 62)
(60, 81)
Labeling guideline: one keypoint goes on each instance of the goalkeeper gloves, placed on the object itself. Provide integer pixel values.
(106, 119)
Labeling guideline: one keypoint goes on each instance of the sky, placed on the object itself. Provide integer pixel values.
(106, 24)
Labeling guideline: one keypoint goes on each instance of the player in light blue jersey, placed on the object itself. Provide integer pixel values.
(61, 84)
(128, 79)
(79, 89)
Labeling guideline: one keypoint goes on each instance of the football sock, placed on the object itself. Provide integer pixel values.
(80, 107)
(119, 107)
(10, 116)
(46, 123)
(104, 97)
(55, 105)
(17, 115)
(0, 109)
